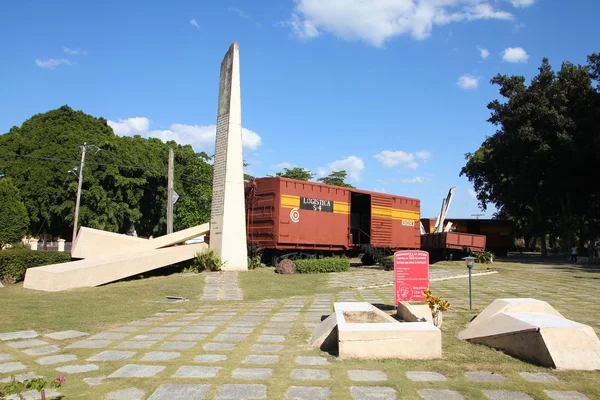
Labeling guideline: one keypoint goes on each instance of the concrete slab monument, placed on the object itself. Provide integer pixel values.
(533, 331)
(228, 213)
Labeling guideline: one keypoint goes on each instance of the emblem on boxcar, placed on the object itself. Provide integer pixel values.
(295, 215)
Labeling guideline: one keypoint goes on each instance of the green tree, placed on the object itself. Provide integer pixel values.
(336, 178)
(14, 220)
(296, 173)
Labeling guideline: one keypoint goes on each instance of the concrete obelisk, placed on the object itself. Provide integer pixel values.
(228, 214)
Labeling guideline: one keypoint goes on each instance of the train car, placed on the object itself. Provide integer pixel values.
(450, 244)
(288, 218)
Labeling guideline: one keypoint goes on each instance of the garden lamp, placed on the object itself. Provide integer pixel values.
(470, 262)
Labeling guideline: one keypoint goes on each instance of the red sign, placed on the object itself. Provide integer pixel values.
(411, 274)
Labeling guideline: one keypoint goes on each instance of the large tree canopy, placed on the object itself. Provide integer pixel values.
(336, 178)
(124, 183)
(296, 173)
(539, 167)
(14, 220)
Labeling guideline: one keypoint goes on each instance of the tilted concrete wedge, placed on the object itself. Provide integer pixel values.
(533, 331)
(101, 270)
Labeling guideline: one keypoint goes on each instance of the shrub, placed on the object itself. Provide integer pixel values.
(483, 257)
(14, 262)
(329, 264)
(208, 260)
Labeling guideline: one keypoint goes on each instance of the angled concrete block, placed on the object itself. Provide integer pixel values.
(228, 212)
(414, 312)
(533, 331)
(324, 334)
(100, 270)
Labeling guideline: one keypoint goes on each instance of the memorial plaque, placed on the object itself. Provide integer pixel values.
(411, 275)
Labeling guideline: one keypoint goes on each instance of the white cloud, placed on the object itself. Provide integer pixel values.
(468, 82)
(194, 23)
(515, 55)
(75, 52)
(423, 155)
(380, 190)
(242, 14)
(483, 52)
(416, 179)
(377, 21)
(284, 165)
(472, 193)
(522, 3)
(354, 166)
(202, 138)
(52, 62)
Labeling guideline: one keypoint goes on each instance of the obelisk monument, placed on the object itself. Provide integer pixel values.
(228, 214)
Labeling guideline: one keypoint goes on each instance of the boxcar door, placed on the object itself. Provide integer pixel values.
(381, 221)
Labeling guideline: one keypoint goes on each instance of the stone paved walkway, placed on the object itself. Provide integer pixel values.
(222, 286)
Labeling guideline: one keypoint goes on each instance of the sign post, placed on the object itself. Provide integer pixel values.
(411, 275)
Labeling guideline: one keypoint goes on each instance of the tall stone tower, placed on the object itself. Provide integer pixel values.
(228, 214)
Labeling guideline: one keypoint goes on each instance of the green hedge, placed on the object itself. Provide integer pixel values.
(330, 264)
(14, 262)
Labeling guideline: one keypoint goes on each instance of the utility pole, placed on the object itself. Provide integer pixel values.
(76, 217)
(477, 215)
(170, 193)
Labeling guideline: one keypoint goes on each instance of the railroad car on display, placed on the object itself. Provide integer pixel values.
(288, 218)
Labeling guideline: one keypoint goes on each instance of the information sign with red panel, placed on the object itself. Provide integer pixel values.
(411, 275)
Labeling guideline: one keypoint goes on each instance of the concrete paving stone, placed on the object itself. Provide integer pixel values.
(191, 371)
(440, 394)
(177, 323)
(126, 394)
(12, 366)
(141, 323)
(276, 331)
(95, 381)
(271, 338)
(18, 335)
(266, 348)
(161, 356)
(506, 395)
(539, 377)
(21, 377)
(27, 343)
(199, 329)
(171, 391)
(163, 314)
(252, 373)
(307, 393)
(137, 371)
(35, 395)
(150, 336)
(58, 359)
(373, 393)
(251, 318)
(165, 329)
(361, 375)
(280, 324)
(565, 395)
(306, 360)
(112, 355)
(218, 318)
(109, 336)
(484, 376)
(219, 346)
(230, 337)
(89, 344)
(189, 337)
(77, 369)
(65, 335)
(5, 356)
(190, 318)
(425, 376)
(177, 345)
(176, 310)
(245, 323)
(237, 329)
(38, 351)
(240, 391)
(129, 329)
(210, 358)
(260, 359)
(310, 374)
(136, 344)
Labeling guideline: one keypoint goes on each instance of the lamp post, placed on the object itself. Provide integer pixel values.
(470, 261)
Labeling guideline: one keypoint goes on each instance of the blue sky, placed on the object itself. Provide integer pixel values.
(395, 92)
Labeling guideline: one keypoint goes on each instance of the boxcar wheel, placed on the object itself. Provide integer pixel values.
(367, 259)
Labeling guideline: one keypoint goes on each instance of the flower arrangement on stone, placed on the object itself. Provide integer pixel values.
(37, 384)
(437, 306)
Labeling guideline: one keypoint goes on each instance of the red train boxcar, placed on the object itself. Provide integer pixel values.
(291, 218)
